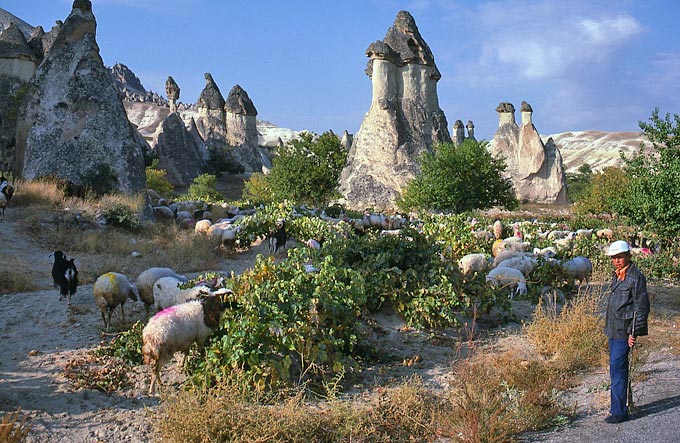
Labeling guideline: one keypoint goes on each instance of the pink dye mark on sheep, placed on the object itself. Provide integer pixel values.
(166, 311)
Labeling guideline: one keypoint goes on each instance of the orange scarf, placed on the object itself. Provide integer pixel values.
(621, 273)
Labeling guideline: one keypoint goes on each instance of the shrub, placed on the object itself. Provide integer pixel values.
(126, 345)
(121, 216)
(459, 178)
(157, 180)
(13, 427)
(608, 187)
(100, 180)
(579, 183)
(258, 190)
(204, 187)
(220, 160)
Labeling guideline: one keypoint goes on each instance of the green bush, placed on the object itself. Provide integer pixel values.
(100, 180)
(157, 180)
(579, 183)
(257, 189)
(127, 345)
(204, 187)
(220, 160)
(459, 178)
(121, 216)
(608, 188)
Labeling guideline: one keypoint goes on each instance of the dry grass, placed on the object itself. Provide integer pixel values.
(573, 337)
(13, 427)
(37, 193)
(14, 277)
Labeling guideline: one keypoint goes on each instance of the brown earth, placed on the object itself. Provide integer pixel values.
(40, 335)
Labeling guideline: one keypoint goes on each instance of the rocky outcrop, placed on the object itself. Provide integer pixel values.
(172, 92)
(210, 119)
(241, 125)
(17, 59)
(74, 122)
(346, 140)
(403, 122)
(178, 151)
(535, 168)
(471, 130)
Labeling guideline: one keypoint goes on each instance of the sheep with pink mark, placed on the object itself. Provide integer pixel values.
(176, 328)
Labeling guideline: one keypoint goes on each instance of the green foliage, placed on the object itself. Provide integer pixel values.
(220, 160)
(126, 345)
(121, 216)
(652, 199)
(607, 189)
(157, 180)
(100, 180)
(204, 187)
(459, 178)
(258, 190)
(307, 169)
(290, 326)
(579, 183)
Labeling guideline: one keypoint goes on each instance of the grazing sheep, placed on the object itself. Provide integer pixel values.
(472, 263)
(147, 278)
(175, 329)
(565, 243)
(548, 252)
(166, 292)
(278, 238)
(313, 244)
(605, 233)
(504, 255)
(110, 290)
(578, 268)
(64, 275)
(6, 193)
(503, 245)
(583, 233)
(498, 229)
(508, 277)
(524, 263)
(558, 234)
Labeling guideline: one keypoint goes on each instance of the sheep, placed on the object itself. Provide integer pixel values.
(548, 252)
(578, 268)
(175, 329)
(6, 193)
(145, 282)
(508, 277)
(64, 275)
(110, 290)
(504, 255)
(583, 233)
(166, 292)
(605, 233)
(313, 244)
(472, 263)
(524, 263)
(278, 238)
(565, 243)
(502, 245)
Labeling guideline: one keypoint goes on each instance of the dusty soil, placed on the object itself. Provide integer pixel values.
(40, 335)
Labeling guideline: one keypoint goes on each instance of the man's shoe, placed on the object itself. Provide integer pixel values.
(614, 419)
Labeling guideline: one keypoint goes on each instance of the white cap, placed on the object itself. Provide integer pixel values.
(618, 247)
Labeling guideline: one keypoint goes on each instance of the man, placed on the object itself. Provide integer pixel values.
(628, 300)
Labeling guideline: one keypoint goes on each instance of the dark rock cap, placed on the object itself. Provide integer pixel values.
(171, 88)
(238, 102)
(13, 44)
(505, 107)
(211, 97)
(458, 124)
(402, 44)
(83, 5)
(526, 107)
(470, 124)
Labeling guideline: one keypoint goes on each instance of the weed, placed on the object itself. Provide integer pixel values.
(13, 427)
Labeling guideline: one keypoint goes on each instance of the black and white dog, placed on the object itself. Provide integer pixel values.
(64, 275)
(6, 193)
(278, 238)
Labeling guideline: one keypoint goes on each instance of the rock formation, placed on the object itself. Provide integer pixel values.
(347, 140)
(471, 130)
(172, 92)
(535, 169)
(210, 120)
(242, 129)
(179, 152)
(458, 132)
(73, 121)
(403, 122)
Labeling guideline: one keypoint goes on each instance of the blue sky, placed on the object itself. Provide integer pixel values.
(581, 65)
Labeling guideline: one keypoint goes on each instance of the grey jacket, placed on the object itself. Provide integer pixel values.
(627, 297)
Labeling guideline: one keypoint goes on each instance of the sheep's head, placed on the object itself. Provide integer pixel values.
(133, 293)
(212, 309)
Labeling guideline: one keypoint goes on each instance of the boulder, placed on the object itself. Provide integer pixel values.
(73, 121)
(242, 130)
(178, 151)
(403, 122)
(535, 168)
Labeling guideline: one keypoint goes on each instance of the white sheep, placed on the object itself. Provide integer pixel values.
(145, 282)
(578, 268)
(503, 245)
(566, 243)
(472, 263)
(166, 292)
(110, 290)
(504, 255)
(508, 277)
(175, 329)
(548, 252)
(523, 263)
(605, 233)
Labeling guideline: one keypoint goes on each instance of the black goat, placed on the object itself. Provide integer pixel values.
(65, 275)
(278, 238)
(6, 193)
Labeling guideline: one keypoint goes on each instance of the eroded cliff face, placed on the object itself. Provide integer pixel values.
(74, 120)
(404, 119)
(535, 168)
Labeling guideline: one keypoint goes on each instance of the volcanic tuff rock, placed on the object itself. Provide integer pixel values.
(346, 140)
(172, 92)
(210, 120)
(74, 121)
(179, 152)
(242, 129)
(404, 119)
(535, 169)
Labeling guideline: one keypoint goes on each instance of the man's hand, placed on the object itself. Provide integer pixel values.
(631, 341)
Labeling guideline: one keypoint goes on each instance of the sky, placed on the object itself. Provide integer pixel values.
(603, 64)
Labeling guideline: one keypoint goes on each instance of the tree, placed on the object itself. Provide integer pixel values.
(579, 183)
(459, 178)
(307, 169)
(603, 195)
(652, 199)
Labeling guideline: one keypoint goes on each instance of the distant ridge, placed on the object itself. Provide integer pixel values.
(7, 17)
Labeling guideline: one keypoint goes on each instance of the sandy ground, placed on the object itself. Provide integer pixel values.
(40, 335)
